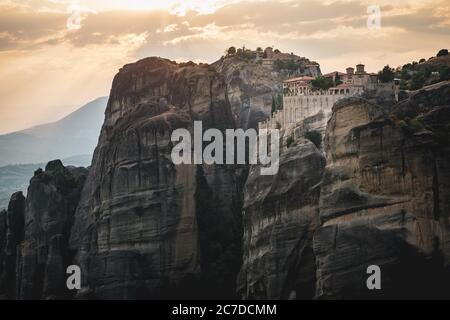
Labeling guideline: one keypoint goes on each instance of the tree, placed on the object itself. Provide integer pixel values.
(422, 60)
(403, 84)
(315, 137)
(322, 83)
(274, 105)
(442, 52)
(289, 65)
(444, 73)
(386, 75)
(231, 51)
(259, 49)
(289, 141)
(417, 81)
(404, 75)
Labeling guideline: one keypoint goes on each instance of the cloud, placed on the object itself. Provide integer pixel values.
(337, 26)
(39, 56)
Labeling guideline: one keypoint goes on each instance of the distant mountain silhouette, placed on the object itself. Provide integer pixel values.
(75, 134)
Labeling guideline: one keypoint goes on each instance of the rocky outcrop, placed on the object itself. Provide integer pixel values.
(11, 235)
(145, 227)
(251, 89)
(280, 216)
(383, 200)
(142, 227)
(51, 201)
(34, 235)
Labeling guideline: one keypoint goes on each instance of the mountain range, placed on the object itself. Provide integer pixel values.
(75, 134)
(72, 139)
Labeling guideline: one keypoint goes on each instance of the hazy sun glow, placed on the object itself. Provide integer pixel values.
(173, 6)
(56, 55)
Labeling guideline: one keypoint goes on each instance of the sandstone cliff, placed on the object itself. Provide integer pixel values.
(11, 235)
(280, 216)
(384, 200)
(144, 227)
(34, 235)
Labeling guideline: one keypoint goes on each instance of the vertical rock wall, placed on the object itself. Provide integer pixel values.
(280, 217)
(384, 200)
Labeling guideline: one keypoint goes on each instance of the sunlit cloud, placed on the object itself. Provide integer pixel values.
(41, 57)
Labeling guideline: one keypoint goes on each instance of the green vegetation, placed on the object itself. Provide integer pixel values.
(411, 125)
(241, 53)
(386, 75)
(289, 141)
(417, 81)
(322, 83)
(444, 73)
(289, 65)
(416, 125)
(442, 52)
(231, 51)
(315, 137)
(416, 75)
(274, 106)
(278, 125)
(277, 103)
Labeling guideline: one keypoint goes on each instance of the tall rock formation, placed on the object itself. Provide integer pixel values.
(280, 217)
(11, 235)
(384, 200)
(51, 201)
(251, 89)
(145, 227)
(141, 227)
(34, 235)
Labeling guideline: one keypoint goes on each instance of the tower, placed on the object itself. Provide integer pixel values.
(360, 69)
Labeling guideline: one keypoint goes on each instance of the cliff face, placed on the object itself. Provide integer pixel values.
(383, 200)
(280, 216)
(147, 228)
(11, 235)
(142, 227)
(44, 255)
(34, 235)
(251, 89)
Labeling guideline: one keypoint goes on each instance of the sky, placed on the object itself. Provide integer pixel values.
(56, 55)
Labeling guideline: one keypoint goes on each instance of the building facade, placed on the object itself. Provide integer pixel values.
(301, 101)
